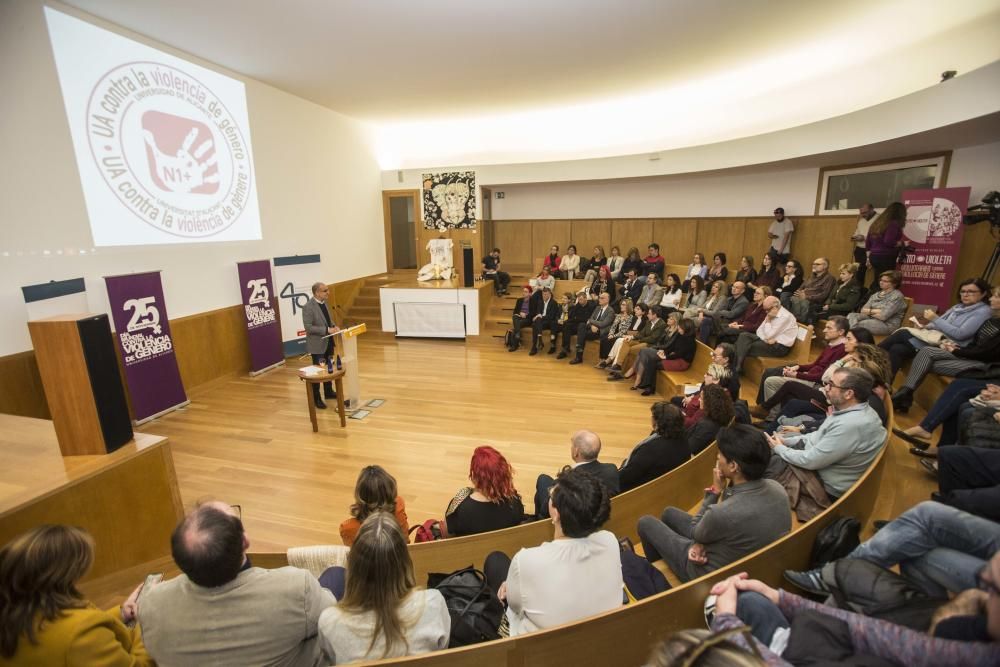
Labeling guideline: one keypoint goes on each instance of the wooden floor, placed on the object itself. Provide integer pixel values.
(247, 441)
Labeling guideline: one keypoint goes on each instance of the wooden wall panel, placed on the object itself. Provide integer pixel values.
(676, 237)
(589, 233)
(211, 345)
(21, 391)
(823, 236)
(755, 241)
(721, 235)
(976, 250)
(514, 240)
(545, 233)
(631, 233)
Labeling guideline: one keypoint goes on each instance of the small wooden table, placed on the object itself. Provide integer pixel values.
(337, 378)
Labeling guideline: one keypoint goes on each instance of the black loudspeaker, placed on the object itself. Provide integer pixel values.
(467, 266)
(102, 366)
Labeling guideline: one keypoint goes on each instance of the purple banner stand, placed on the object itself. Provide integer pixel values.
(934, 230)
(263, 331)
(144, 343)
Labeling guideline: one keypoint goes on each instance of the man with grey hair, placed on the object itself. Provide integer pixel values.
(585, 447)
(843, 447)
(319, 325)
(773, 338)
(222, 610)
(813, 294)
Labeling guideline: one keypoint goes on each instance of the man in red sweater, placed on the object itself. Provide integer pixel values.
(834, 334)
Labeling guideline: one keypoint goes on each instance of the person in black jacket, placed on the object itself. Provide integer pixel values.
(718, 412)
(584, 449)
(674, 355)
(632, 287)
(545, 315)
(521, 317)
(664, 449)
(579, 313)
(633, 262)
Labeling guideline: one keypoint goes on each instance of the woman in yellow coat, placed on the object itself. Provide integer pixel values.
(44, 619)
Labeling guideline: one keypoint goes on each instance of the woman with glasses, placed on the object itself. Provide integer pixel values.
(884, 310)
(790, 282)
(952, 360)
(958, 325)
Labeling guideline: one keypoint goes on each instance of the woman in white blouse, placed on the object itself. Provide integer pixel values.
(615, 262)
(672, 294)
(569, 266)
(577, 574)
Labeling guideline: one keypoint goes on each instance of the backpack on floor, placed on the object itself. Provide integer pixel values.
(475, 610)
(835, 541)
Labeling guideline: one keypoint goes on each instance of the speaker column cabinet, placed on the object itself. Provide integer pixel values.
(79, 368)
(468, 264)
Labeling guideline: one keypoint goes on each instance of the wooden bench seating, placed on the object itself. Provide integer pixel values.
(671, 383)
(625, 636)
(753, 367)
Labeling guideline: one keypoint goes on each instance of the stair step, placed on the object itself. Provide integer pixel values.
(366, 301)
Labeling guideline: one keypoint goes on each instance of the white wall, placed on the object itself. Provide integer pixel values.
(317, 179)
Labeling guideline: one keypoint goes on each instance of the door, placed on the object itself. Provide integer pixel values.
(399, 209)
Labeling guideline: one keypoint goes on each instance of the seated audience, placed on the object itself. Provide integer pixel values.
(633, 262)
(380, 612)
(577, 574)
(615, 263)
(662, 451)
(884, 310)
(947, 412)
(835, 337)
(672, 293)
(979, 356)
(601, 284)
(584, 449)
(741, 512)
(545, 316)
(632, 287)
(718, 270)
(624, 323)
(751, 318)
(521, 317)
(652, 293)
(847, 442)
(770, 275)
(697, 267)
(718, 295)
(45, 620)
(958, 325)
(675, 354)
(491, 503)
(938, 548)
(552, 260)
(595, 328)
(653, 263)
(491, 271)
(697, 296)
(542, 280)
(712, 322)
(569, 265)
(594, 264)
(813, 293)
(741, 602)
(746, 273)
(375, 491)
(790, 283)
(578, 315)
(773, 338)
(845, 295)
(720, 372)
(651, 332)
(709, 412)
(270, 616)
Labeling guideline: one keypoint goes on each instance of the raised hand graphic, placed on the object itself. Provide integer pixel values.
(184, 171)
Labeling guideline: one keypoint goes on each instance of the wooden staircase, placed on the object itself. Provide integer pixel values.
(365, 307)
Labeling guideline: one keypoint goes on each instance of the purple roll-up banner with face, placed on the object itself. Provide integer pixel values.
(934, 231)
(263, 330)
(145, 345)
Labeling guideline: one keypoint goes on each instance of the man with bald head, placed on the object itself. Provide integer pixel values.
(584, 448)
(809, 298)
(318, 325)
(224, 611)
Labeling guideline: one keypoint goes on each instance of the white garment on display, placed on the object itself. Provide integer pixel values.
(441, 264)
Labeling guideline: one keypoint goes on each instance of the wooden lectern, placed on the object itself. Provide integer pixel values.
(347, 348)
(79, 368)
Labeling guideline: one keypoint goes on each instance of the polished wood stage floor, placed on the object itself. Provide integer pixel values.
(248, 441)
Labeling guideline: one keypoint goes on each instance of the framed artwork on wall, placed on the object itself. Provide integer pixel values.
(842, 190)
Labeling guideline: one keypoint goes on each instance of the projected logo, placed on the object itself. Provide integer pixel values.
(169, 149)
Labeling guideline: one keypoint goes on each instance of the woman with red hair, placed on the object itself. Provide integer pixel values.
(491, 503)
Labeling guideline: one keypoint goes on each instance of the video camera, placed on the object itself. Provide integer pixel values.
(988, 210)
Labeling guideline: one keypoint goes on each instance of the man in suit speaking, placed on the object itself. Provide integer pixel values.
(317, 322)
